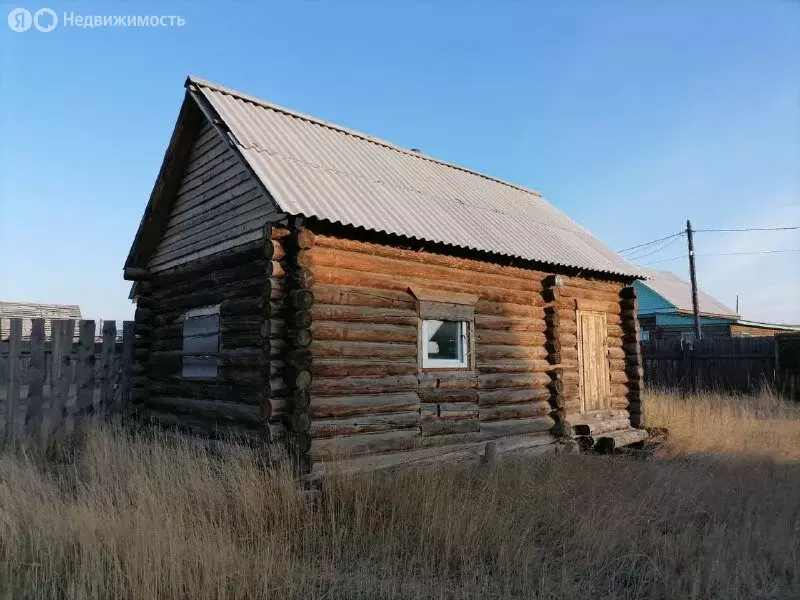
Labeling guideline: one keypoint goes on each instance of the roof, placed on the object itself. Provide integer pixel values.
(762, 325)
(34, 310)
(678, 293)
(317, 169)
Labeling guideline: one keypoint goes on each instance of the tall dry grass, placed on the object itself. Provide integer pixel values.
(132, 516)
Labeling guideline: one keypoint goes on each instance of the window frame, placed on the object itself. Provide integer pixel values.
(201, 365)
(446, 364)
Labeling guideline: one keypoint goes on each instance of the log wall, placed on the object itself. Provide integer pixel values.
(235, 402)
(368, 393)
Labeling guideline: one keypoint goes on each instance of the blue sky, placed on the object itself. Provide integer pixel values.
(629, 116)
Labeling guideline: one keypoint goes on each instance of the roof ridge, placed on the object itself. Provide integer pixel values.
(192, 80)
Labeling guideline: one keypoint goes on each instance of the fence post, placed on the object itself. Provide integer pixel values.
(34, 412)
(14, 372)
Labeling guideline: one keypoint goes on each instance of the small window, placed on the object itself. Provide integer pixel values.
(687, 339)
(201, 343)
(645, 335)
(444, 344)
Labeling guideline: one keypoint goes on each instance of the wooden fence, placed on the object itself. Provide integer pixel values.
(51, 384)
(738, 364)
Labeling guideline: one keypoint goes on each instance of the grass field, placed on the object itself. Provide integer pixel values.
(716, 514)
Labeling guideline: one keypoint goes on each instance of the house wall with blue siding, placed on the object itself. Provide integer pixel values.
(650, 302)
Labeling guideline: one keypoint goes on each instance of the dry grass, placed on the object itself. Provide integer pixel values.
(128, 516)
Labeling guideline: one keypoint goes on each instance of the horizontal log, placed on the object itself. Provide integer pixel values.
(610, 296)
(495, 381)
(363, 332)
(484, 353)
(336, 295)
(207, 409)
(386, 281)
(136, 274)
(207, 428)
(362, 368)
(448, 379)
(329, 407)
(251, 306)
(516, 426)
(584, 283)
(450, 426)
(618, 439)
(448, 395)
(503, 323)
(502, 412)
(531, 280)
(196, 388)
(377, 351)
(602, 426)
(254, 269)
(363, 385)
(510, 338)
(364, 424)
(512, 396)
(327, 449)
(362, 314)
(218, 262)
(509, 309)
(279, 233)
(512, 366)
(449, 410)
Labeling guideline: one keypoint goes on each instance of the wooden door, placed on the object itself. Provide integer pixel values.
(595, 385)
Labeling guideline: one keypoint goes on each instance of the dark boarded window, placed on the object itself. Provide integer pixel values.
(201, 343)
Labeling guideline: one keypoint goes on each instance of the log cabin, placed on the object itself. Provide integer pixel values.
(297, 282)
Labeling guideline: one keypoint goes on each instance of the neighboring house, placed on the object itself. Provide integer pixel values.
(34, 310)
(298, 280)
(665, 311)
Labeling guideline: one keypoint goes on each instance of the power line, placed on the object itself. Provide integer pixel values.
(723, 254)
(747, 229)
(652, 242)
(651, 252)
(734, 230)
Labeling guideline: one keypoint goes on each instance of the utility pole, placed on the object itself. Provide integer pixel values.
(693, 275)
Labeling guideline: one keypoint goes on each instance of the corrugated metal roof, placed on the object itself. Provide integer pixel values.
(317, 169)
(678, 292)
(34, 310)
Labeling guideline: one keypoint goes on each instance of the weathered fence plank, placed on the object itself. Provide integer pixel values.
(46, 384)
(107, 374)
(14, 379)
(84, 370)
(60, 371)
(722, 364)
(35, 379)
(126, 360)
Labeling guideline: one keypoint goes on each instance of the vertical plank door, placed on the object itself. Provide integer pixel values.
(595, 384)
